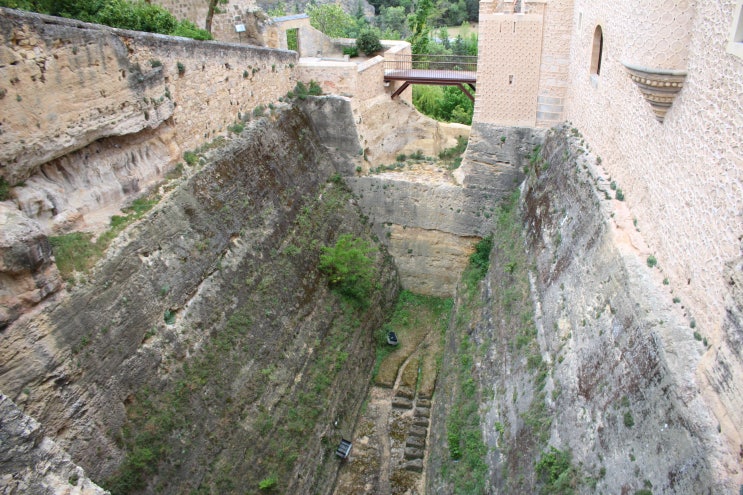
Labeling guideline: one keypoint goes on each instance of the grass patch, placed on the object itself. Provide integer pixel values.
(78, 252)
(414, 316)
(452, 157)
(4, 189)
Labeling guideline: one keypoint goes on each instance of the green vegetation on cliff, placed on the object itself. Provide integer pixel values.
(77, 252)
(466, 468)
(124, 14)
(349, 267)
(265, 392)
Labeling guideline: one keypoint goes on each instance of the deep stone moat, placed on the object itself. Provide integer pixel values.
(207, 353)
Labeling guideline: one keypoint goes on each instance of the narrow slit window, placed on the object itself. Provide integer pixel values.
(735, 43)
(738, 27)
(597, 51)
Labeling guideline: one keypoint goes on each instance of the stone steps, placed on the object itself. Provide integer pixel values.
(415, 441)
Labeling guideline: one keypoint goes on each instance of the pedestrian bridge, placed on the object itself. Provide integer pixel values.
(438, 70)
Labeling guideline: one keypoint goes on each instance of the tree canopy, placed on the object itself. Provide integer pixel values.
(124, 14)
(331, 19)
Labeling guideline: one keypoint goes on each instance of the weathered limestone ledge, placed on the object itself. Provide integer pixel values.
(27, 271)
(431, 219)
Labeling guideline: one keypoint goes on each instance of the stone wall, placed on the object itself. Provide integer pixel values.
(311, 42)
(682, 177)
(228, 14)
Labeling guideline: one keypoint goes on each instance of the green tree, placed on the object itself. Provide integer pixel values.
(137, 16)
(448, 103)
(394, 19)
(330, 19)
(349, 267)
(211, 10)
(419, 39)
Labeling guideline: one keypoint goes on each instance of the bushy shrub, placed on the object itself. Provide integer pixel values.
(480, 259)
(368, 42)
(349, 267)
(351, 51)
(237, 127)
(556, 472)
(188, 29)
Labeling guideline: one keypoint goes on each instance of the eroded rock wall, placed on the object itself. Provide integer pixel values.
(578, 344)
(94, 116)
(622, 354)
(66, 84)
(431, 217)
(32, 463)
(211, 312)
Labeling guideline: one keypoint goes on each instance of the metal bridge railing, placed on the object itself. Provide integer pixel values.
(445, 63)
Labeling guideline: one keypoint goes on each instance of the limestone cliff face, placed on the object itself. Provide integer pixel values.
(94, 116)
(62, 93)
(27, 271)
(31, 463)
(586, 351)
(430, 218)
(211, 312)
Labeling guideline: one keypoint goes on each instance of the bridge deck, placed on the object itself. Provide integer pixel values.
(431, 76)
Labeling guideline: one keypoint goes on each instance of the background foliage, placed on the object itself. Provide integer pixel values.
(124, 14)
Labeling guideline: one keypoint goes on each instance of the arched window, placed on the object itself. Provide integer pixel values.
(596, 52)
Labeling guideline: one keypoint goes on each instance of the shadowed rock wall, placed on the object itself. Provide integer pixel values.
(211, 312)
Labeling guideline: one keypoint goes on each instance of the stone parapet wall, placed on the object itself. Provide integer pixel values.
(334, 77)
(360, 80)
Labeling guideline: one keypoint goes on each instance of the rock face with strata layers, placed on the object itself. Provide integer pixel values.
(430, 218)
(97, 92)
(33, 464)
(27, 270)
(613, 374)
(231, 253)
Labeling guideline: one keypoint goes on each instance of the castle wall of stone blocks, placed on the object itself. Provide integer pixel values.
(681, 176)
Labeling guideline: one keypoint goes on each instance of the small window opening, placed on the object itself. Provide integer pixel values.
(597, 51)
(510, 79)
(735, 43)
(292, 39)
